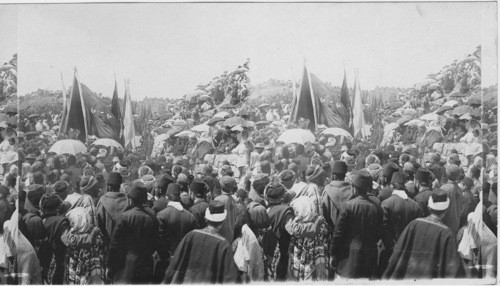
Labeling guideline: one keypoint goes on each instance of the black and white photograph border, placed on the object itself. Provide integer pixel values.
(248, 142)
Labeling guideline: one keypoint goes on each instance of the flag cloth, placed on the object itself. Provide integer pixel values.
(346, 101)
(358, 118)
(307, 104)
(128, 121)
(88, 114)
(115, 106)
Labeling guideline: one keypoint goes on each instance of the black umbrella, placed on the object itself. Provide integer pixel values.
(475, 100)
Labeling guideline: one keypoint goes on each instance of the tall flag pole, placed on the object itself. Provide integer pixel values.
(358, 115)
(65, 106)
(128, 120)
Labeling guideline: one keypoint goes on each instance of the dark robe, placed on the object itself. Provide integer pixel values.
(56, 226)
(130, 257)
(426, 249)
(109, 208)
(355, 238)
(203, 256)
(160, 204)
(174, 225)
(256, 197)
(227, 229)
(384, 193)
(198, 210)
(398, 213)
(452, 216)
(422, 198)
(279, 216)
(335, 195)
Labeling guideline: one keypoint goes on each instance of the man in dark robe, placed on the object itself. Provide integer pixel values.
(357, 231)
(427, 248)
(199, 190)
(399, 210)
(110, 206)
(423, 183)
(174, 222)
(130, 257)
(451, 188)
(336, 194)
(204, 256)
(228, 188)
(256, 194)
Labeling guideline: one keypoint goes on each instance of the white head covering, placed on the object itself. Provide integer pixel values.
(304, 209)
(80, 220)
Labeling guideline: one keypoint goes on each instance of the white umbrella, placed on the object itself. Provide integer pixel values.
(466, 116)
(201, 128)
(414, 122)
(68, 146)
(222, 114)
(391, 126)
(299, 136)
(107, 142)
(335, 131)
(185, 133)
(430, 117)
(451, 103)
(237, 128)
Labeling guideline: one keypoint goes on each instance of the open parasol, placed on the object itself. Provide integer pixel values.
(299, 136)
(390, 127)
(233, 121)
(335, 131)
(108, 142)
(451, 103)
(443, 109)
(403, 119)
(430, 117)
(226, 105)
(222, 114)
(201, 128)
(68, 146)
(214, 120)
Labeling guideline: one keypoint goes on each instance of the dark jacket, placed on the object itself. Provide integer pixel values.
(422, 198)
(452, 216)
(160, 204)
(198, 210)
(109, 208)
(279, 215)
(203, 256)
(135, 240)
(384, 193)
(174, 225)
(398, 213)
(355, 238)
(335, 195)
(56, 226)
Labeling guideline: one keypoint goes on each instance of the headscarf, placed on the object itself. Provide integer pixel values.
(304, 209)
(80, 220)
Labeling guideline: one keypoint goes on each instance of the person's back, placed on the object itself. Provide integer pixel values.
(204, 256)
(175, 222)
(228, 185)
(432, 255)
(134, 241)
(398, 213)
(357, 232)
(452, 190)
(109, 208)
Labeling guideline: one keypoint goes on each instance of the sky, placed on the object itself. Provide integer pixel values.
(166, 50)
(8, 32)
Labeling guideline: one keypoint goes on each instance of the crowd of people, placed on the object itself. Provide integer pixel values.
(388, 206)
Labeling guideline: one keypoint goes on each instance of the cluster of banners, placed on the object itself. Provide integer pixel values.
(84, 111)
(345, 112)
